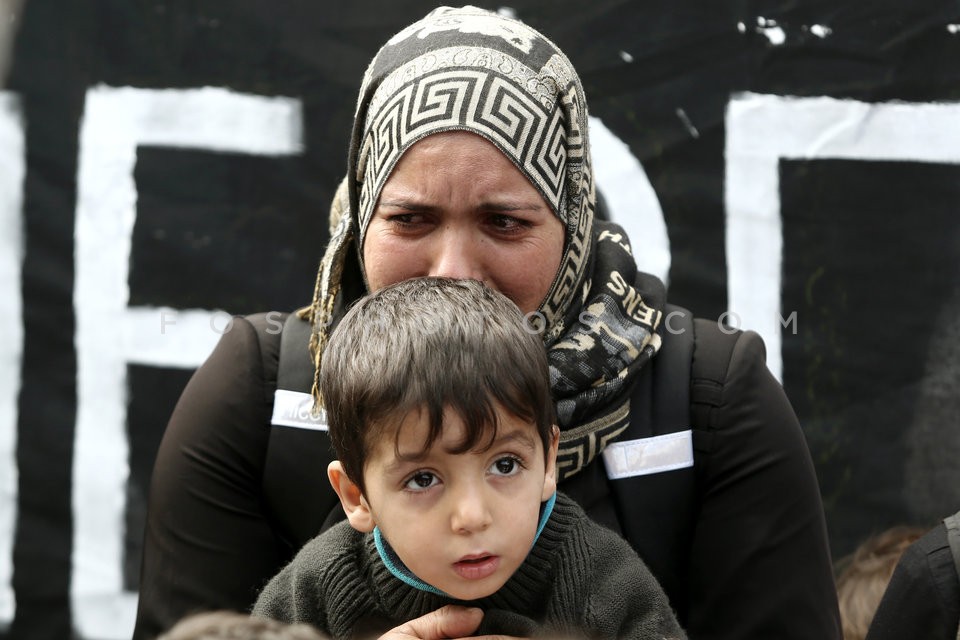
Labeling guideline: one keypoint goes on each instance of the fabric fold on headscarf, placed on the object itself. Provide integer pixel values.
(468, 69)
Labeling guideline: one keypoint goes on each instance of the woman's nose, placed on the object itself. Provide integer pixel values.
(458, 254)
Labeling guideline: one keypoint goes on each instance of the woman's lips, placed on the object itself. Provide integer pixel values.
(476, 567)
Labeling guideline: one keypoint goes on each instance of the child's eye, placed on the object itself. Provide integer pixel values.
(506, 466)
(421, 480)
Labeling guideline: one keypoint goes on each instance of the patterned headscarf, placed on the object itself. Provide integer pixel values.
(469, 69)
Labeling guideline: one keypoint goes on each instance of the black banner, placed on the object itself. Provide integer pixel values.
(792, 167)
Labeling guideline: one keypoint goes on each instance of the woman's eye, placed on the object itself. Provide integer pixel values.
(506, 466)
(420, 481)
(403, 218)
(506, 223)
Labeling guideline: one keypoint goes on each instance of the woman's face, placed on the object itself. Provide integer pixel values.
(455, 206)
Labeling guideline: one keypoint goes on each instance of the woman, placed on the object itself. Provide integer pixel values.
(470, 159)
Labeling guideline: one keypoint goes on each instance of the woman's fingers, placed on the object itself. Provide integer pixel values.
(447, 622)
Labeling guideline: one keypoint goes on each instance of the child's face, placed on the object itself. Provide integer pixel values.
(461, 522)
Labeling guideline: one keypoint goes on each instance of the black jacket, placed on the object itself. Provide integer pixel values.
(923, 597)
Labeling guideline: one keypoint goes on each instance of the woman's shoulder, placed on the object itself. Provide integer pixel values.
(267, 328)
(729, 369)
(704, 348)
(720, 350)
(704, 364)
(247, 354)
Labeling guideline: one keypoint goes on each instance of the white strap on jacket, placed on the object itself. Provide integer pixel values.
(295, 409)
(649, 455)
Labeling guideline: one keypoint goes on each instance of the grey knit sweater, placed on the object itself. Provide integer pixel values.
(579, 580)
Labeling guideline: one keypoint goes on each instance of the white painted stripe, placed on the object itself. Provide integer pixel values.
(210, 118)
(176, 338)
(630, 197)
(762, 129)
(11, 329)
(649, 455)
(295, 409)
(110, 334)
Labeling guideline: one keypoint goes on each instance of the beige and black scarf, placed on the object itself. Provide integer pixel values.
(469, 69)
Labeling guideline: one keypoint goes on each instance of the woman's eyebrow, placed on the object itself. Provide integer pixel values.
(488, 205)
(404, 203)
(512, 206)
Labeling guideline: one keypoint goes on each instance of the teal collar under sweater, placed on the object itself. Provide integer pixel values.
(396, 566)
(526, 590)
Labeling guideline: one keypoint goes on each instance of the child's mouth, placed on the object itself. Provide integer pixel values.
(476, 567)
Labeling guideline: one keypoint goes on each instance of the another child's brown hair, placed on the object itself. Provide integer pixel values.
(865, 574)
(228, 625)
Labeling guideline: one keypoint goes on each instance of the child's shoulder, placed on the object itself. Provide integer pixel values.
(585, 531)
(570, 514)
(338, 543)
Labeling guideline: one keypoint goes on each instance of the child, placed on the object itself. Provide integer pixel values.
(438, 403)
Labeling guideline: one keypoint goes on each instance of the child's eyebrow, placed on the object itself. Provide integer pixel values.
(520, 436)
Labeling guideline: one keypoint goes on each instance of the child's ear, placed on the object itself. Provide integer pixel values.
(550, 475)
(352, 500)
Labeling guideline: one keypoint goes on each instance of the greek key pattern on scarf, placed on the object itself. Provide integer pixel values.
(478, 101)
(581, 445)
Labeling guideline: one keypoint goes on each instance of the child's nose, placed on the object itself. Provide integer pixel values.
(470, 512)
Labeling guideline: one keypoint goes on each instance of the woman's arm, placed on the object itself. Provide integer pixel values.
(760, 561)
(208, 544)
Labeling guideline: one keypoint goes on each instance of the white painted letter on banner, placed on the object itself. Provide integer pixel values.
(110, 335)
(763, 129)
(12, 171)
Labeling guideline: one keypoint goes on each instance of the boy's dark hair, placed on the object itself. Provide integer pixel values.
(431, 344)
